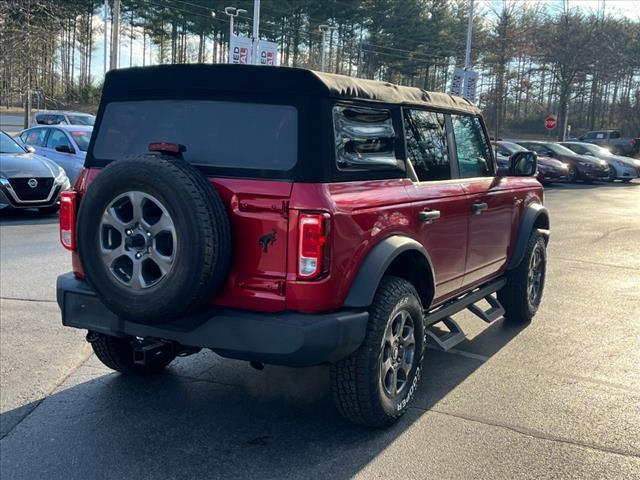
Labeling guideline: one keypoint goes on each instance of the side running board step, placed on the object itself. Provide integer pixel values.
(445, 339)
(495, 312)
(445, 332)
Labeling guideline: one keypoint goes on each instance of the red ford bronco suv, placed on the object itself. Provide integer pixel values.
(291, 217)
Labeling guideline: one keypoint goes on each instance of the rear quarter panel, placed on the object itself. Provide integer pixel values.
(363, 213)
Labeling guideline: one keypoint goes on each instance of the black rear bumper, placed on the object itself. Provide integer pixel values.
(293, 339)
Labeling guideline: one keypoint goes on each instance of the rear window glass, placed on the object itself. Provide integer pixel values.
(81, 120)
(220, 134)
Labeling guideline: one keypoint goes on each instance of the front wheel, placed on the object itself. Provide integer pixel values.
(572, 174)
(522, 294)
(613, 174)
(375, 385)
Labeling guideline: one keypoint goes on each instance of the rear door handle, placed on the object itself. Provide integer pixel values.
(429, 215)
(479, 207)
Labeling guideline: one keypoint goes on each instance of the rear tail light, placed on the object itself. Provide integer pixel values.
(313, 249)
(68, 220)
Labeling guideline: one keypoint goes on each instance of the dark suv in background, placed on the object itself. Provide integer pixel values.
(285, 216)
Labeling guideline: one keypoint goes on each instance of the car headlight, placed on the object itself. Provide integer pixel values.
(602, 163)
(564, 166)
(637, 163)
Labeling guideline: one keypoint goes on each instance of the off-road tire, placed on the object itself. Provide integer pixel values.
(203, 238)
(355, 381)
(514, 296)
(117, 354)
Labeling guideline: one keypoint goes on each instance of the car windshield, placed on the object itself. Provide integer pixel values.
(559, 149)
(512, 147)
(82, 139)
(81, 120)
(8, 145)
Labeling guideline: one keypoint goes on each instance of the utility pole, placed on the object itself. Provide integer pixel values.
(324, 29)
(467, 55)
(360, 55)
(106, 27)
(256, 31)
(115, 34)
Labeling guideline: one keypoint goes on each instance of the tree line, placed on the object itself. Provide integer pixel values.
(533, 60)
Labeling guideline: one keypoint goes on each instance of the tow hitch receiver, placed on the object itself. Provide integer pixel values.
(146, 352)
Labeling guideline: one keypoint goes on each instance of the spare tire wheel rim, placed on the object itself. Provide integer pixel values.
(138, 241)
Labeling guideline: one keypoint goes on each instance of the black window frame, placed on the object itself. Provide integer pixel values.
(485, 132)
(338, 175)
(309, 140)
(453, 161)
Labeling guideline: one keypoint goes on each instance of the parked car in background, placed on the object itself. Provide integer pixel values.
(58, 117)
(28, 180)
(614, 141)
(580, 167)
(66, 145)
(620, 168)
(549, 169)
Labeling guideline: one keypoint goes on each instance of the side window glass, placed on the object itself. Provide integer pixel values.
(614, 135)
(34, 137)
(365, 139)
(427, 145)
(60, 120)
(57, 138)
(590, 135)
(503, 152)
(474, 158)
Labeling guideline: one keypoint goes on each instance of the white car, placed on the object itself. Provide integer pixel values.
(59, 117)
(620, 168)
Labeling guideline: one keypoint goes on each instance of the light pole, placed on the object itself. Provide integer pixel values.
(232, 12)
(467, 55)
(106, 42)
(324, 29)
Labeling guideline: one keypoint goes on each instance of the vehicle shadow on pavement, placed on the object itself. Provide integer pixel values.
(27, 217)
(215, 418)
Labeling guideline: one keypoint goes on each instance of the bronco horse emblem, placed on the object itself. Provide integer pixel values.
(268, 239)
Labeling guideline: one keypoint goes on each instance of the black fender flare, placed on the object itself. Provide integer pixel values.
(533, 212)
(376, 264)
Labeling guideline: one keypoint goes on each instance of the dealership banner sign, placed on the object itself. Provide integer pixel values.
(470, 85)
(464, 84)
(240, 50)
(456, 83)
(267, 53)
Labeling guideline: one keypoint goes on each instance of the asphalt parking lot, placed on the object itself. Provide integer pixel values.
(559, 398)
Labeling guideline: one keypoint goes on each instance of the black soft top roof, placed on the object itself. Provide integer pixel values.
(278, 80)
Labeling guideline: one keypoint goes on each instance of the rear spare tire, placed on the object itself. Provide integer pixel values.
(153, 238)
